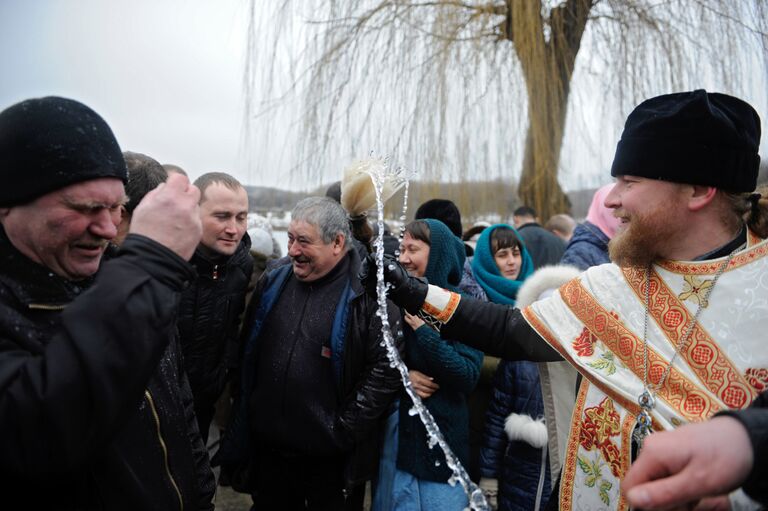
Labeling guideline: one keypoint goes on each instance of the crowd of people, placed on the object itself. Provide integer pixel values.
(611, 363)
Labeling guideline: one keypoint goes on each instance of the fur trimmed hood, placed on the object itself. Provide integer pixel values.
(543, 280)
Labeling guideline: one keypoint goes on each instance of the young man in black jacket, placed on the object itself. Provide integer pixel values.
(210, 310)
(95, 413)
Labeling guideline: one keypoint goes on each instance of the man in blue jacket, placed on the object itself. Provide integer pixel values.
(315, 378)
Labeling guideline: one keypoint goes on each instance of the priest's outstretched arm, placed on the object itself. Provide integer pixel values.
(495, 329)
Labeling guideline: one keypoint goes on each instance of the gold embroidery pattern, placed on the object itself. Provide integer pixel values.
(702, 354)
(599, 424)
(584, 344)
(758, 378)
(618, 459)
(757, 248)
(445, 314)
(626, 451)
(572, 450)
(695, 290)
(544, 332)
(678, 391)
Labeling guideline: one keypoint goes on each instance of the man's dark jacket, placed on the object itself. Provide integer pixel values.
(365, 382)
(545, 248)
(95, 410)
(209, 321)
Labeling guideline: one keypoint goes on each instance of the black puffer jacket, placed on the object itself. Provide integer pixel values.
(366, 383)
(95, 412)
(209, 319)
(545, 248)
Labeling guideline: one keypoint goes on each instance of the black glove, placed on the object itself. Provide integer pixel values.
(405, 291)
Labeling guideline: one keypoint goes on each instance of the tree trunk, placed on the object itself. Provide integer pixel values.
(547, 68)
(539, 187)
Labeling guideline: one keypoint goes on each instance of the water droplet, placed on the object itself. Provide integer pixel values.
(391, 267)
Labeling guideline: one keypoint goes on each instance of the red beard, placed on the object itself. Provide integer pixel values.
(643, 240)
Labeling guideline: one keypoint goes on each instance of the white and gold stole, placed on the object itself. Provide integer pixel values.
(596, 323)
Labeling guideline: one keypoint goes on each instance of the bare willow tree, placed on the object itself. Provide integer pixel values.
(463, 88)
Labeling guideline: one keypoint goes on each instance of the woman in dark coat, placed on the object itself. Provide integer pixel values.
(513, 460)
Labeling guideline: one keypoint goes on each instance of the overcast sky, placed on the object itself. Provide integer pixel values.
(167, 76)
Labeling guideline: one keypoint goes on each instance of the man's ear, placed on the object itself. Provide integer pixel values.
(4, 213)
(338, 244)
(700, 197)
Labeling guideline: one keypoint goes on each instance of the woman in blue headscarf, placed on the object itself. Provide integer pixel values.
(501, 263)
(513, 459)
(413, 477)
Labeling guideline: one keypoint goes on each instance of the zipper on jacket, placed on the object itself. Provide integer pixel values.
(215, 275)
(46, 307)
(163, 447)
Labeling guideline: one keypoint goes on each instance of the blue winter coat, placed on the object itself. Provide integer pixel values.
(516, 464)
(365, 382)
(588, 247)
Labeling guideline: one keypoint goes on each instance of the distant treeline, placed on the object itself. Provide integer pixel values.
(477, 200)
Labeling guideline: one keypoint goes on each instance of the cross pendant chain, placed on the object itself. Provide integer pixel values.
(644, 425)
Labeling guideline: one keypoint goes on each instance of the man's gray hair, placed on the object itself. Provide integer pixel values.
(325, 214)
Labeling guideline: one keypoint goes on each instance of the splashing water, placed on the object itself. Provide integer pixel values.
(385, 175)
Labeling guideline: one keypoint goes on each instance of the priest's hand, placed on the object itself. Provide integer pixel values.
(405, 291)
(683, 466)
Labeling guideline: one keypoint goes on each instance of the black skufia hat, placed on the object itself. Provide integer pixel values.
(696, 137)
(49, 143)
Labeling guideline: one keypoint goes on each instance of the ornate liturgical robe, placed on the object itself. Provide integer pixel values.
(596, 323)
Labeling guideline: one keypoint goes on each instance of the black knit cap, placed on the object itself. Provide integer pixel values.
(443, 210)
(49, 143)
(696, 137)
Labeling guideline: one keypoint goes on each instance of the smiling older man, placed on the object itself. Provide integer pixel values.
(315, 377)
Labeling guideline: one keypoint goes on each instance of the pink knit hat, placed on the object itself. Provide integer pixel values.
(601, 216)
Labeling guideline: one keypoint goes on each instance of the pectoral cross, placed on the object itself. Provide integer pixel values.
(644, 426)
